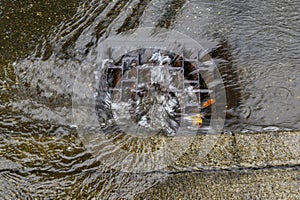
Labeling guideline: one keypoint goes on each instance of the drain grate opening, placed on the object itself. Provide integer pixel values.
(156, 91)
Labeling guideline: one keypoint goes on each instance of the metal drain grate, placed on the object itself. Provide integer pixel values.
(129, 73)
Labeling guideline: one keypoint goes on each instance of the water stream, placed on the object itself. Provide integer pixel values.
(41, 152)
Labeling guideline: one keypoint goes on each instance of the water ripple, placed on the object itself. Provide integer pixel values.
(41, 154)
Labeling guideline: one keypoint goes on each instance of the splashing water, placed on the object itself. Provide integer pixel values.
(41, 153)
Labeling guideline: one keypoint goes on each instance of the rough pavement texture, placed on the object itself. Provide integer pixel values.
(240, 166)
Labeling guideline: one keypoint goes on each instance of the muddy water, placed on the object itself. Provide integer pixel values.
(43, 45)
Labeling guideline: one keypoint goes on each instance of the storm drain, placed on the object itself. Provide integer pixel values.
(149, 95)
(153, 91)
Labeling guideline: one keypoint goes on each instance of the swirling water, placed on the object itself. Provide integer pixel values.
(41, 153)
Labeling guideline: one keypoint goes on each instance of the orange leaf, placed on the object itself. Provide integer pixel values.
(208, 103)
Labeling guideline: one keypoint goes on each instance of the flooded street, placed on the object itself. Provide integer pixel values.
(47, 55)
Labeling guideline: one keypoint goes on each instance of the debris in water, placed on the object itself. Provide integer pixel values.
(208, 103)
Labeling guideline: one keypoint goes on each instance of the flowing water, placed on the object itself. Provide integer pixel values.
(45, 46)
